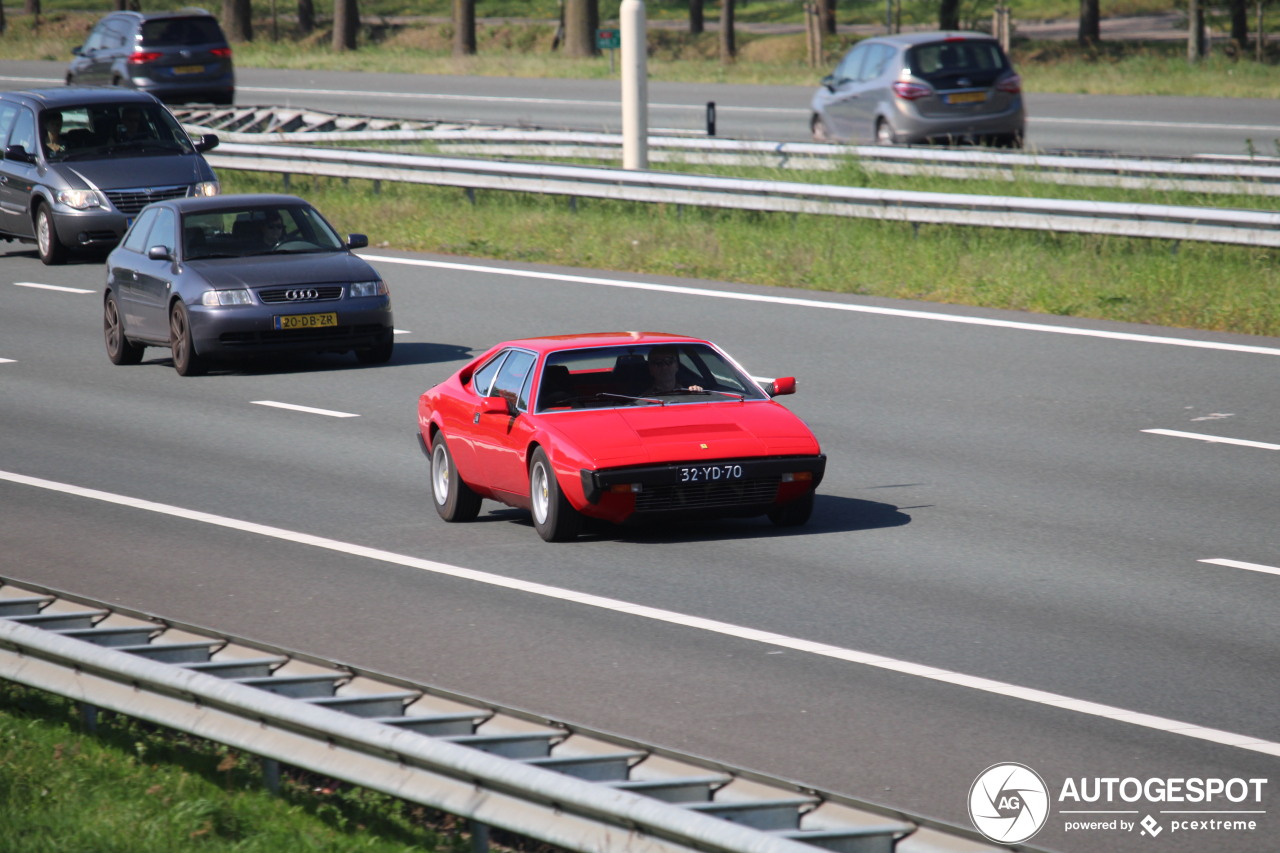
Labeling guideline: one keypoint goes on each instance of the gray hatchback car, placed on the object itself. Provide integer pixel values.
(78, 164)
(242, 275)
(941, 87)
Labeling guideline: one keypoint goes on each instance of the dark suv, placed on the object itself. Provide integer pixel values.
(176, 56)
(76, 165)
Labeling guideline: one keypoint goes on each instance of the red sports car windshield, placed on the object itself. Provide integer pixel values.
(657, 374)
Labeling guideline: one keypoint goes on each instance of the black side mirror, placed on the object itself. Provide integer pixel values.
(357, 241)
(207, 141)
(17, 152)
(75, 51)
(830, 82)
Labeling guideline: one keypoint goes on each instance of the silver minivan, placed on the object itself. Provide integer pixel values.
(79, 163)
(940, 87)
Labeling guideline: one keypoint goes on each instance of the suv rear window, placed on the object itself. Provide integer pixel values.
(941, 61)
(181, 31)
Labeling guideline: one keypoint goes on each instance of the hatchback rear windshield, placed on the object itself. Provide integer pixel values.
(943, 59)
(181, 31)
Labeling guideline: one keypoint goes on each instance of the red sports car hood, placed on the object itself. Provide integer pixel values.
(645, 435)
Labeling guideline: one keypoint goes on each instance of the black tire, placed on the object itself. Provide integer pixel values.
(380, 353)
(818, 128)
(793, 514)
(120, 350)
(554, 517)
(185, 358)
(453, 498)
(52, 250)
(885, 134)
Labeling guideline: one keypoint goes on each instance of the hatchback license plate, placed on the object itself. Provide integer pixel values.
(967, 98)
(710, 473)
(188, 69)
(305, 321)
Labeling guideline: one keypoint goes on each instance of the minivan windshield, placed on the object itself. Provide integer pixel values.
(99, 131)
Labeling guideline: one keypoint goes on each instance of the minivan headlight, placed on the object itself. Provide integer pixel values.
(206, 188)
(368, 288)
(80, 199)
(216, 298)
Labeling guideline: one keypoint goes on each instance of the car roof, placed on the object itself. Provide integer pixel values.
(913, 39)
(198, 204)
(553, 343)
(78, 96)
(188, 12)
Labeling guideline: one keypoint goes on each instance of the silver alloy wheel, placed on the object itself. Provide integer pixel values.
(440, 474)
(540, 493)
(44, 233)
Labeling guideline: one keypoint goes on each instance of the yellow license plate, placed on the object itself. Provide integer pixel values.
(967, 98)
(188, 69)
(305, 321)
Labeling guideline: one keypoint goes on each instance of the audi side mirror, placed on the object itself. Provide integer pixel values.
(357, 241)
(207, 142)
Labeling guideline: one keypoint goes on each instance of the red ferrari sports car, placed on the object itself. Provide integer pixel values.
(620, 426)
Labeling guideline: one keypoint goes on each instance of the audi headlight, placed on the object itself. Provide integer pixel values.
(80, 199)
(368, 288)
(206, 188)
(216, 298)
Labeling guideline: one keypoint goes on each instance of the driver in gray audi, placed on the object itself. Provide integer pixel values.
(79, 163)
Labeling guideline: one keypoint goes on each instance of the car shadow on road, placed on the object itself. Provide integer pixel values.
(404, 354)
(831, 514)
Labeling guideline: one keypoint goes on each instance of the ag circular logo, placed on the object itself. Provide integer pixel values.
(1008, 803)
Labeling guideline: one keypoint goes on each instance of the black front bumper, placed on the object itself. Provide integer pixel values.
(719, 485)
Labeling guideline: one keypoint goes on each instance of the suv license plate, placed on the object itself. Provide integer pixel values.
(305, 321)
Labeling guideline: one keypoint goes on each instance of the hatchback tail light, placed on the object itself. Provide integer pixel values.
(1011, 84)
(221, 51)
(911, 91)
(141, 56)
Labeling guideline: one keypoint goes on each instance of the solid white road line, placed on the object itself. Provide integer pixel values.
(986, 685)
(830, 306)
(51, 287)
(1214, 439)
(1236, 564)
(309, 410)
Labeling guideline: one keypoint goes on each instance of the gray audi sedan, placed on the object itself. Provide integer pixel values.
(940, 87)
(241, 275)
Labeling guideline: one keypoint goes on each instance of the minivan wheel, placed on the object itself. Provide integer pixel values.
(818, 128)
(885, 134)
(52, 252)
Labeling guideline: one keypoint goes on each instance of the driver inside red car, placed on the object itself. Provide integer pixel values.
(664, 364)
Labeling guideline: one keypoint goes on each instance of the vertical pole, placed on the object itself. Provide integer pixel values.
(635, 84)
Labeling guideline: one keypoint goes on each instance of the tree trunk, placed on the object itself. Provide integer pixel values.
(346, 24)
(695, 18)
(306, 17)
(1090, 32)
(31, 7)
(237, 19)
(827, 12)
(580, 19)
(1240, 23)
(949, 15)
(728, 44)
(464, 27)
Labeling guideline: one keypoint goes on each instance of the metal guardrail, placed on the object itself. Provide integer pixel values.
(498, 767)
(1165, 222)
(1257, 175)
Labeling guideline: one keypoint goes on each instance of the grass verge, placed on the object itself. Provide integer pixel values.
(1189, 285)
(136, 788)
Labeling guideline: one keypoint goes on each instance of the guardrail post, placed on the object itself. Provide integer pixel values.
(89, 717)
(271, 774)
(479, 837)
(711, 118)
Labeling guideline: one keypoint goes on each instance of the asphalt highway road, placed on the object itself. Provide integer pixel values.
(997, 519)
(1146, 126)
